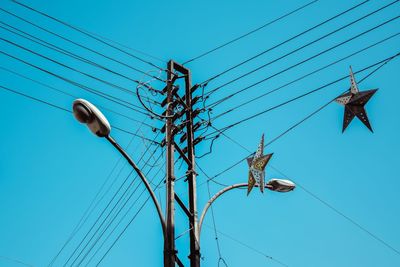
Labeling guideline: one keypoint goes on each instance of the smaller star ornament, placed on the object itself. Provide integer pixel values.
(354, 103)
(257, 168)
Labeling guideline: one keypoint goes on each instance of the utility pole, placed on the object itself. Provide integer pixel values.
(169, 236)
(174, 98)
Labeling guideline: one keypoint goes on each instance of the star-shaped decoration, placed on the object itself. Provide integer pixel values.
(354, 103)
(257, 168)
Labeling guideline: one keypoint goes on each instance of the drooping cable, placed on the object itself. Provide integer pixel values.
(220, 259)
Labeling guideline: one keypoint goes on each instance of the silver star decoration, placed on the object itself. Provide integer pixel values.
(257, 166)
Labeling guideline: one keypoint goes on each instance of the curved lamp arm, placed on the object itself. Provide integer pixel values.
(143, 178)
(217, 195)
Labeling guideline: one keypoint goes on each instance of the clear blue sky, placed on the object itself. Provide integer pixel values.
(51, 167)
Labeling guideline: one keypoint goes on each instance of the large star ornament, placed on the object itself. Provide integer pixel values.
(257, 168)
(354, 103)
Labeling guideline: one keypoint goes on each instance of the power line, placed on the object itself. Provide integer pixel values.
(87, 33)
(79, 45)
(91, 208)
(125, 199)
(303, 95)
(306, 45)
(103, 212)
(73, 69)
(300, 78)
(66, 110)
(65, 52)
(79, 85)
(123, 216)
(75, 96)
(126, 227)
(252, 31)
(282, 43)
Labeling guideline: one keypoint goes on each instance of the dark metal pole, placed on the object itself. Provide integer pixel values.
(193, 223)
(169, 238)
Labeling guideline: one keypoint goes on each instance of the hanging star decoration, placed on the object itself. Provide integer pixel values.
(354, 103)
(257, 166)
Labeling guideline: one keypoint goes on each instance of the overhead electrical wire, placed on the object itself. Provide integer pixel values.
(252, 31)
(79, 45)
(125, 214)
(103, 212)
(88, 34)
(16, 261)
(75, 97)
(96, 200)
(306, 75)
(81, 86)
(73, 69)
(126, 227)
(204, 83)
(69, 111)
(124, 201)
(306, 45)
(65, 52)
(303, 95)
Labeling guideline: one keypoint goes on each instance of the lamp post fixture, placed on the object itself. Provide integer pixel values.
(88, 114)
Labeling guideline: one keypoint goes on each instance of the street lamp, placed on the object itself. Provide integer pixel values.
(278, 185)
(87, 113)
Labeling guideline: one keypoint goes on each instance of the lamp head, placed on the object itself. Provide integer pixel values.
(87, 113)
(280, 185)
